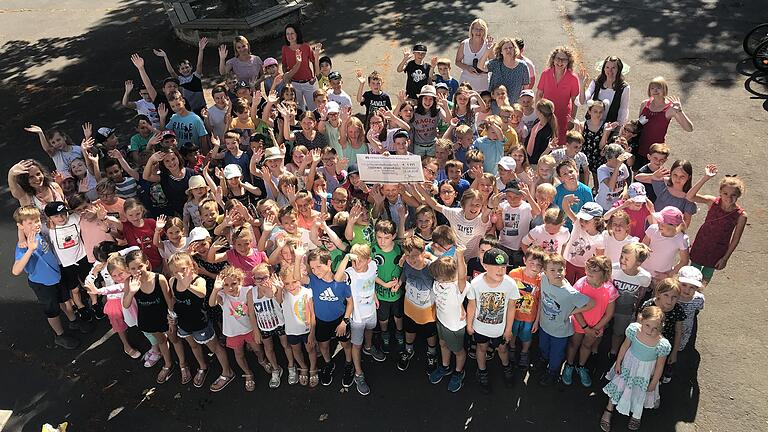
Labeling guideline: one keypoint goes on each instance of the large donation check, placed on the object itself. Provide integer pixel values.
(390, 169)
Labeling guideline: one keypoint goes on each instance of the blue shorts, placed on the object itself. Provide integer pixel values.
(522, 330)
(202, 337)
(301, 339)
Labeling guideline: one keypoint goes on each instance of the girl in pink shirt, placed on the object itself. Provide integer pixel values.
(242, 255)
(596, 285)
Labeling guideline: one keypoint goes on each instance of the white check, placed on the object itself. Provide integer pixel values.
(390, 169)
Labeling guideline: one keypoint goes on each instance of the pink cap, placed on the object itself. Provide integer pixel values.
(670, 215)
(270, 61)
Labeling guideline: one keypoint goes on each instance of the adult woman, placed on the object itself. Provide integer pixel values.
(559, 84)
(468, 56)
(244, 64)
(655, 115)
(304, 79)
(506, 69)
(167, 168)
(610, 85)
(31, 184)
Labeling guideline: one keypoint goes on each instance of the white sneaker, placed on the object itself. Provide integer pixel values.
(274, 382)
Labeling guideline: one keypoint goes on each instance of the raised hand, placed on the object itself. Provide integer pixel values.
(407, 55)
(160, 53)
(677, 106)
(21, 168)
(317, 49)
(162, 111)
(137, 61)
(401, 95)
(710, 170)
(299, 250)
(489, 42)
(160, 223)
(34, 129)
(129, 86)
(134, 285)
(360, 77)
(223, 51)
(219, 243)
(433, 63)
(202, 43)
(298, 56)
(268, 224)
(87, 129)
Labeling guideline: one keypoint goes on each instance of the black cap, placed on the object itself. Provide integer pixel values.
(55, 207)
(241, 85)
(419, 48)
(171, 79)
(401, 133)
(334, 76)
(512, 186)
(495, 256)
(353, 169)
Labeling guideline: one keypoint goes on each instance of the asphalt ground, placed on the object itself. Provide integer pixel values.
(64, 62)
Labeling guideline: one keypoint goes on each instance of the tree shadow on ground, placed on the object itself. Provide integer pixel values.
(702, 38)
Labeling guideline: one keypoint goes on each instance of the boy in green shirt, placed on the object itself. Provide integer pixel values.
(387, 253)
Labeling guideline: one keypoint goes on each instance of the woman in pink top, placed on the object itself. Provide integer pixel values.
(245, 65)
(596, 285)
(303, 80)
(559, 84)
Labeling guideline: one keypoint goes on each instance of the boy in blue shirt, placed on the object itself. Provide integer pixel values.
(492, 144)
(568, 174)
(35, 257)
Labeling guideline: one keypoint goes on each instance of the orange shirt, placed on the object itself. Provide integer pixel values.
(528, 304)
(114, 210)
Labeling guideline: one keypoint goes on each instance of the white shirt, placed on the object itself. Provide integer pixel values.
(539, 236)
(468, 232)
(342, 98)
(517, 222)
(491, 305)
(448, 302)
(216, 119)
(613, 247)
(623, 114)
(363, 286)
(664, 250)
(235, 320)
(67, 242)
(606, 196)
(148, 109)
(582, 246)
(296, 311)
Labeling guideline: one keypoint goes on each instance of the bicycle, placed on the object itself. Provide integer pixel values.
(756, 45)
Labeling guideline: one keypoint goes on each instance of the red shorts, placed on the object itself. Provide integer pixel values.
(574, 273)
(237, 342)
(113, 308)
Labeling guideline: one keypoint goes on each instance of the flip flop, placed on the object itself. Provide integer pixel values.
(186, 375)
(200, 376)
(221, 382)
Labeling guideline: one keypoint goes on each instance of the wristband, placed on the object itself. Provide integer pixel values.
(346, 321)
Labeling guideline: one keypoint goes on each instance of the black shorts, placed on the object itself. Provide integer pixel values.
(326, 330)
(266, 334)
(301, 339)
(426, 330)
(50, 297)
(73, 276)
(387, 309)
(482, 339)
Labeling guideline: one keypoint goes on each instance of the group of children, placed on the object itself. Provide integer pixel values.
(274, 240)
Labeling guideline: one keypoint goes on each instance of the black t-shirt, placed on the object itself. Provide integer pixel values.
(474, 267)
(175, 191)
(372, 102)
(418, 77)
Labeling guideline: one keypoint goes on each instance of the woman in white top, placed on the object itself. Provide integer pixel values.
(612, 87)
(469, 54)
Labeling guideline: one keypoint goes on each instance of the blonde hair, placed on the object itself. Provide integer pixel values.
(661, 82)
(362, 250)
(233, 273)
(116, 262)
(651, 313)
(554, 259)
(547, 189)
(498, 47)
(554, 216)
(26, 212)
(601, 263)
(480, 22)
(641, 251)
(242, 40)
(733, 182)
(413, 243)
(181, 258)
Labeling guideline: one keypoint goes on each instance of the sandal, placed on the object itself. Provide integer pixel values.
(303, 376)
(314, 380)
(186, 375)
(634, 424)
(165, 374)
(151, 358)
(134, 353)
(605, 421)
(267, 367)
(199, 379)
(221, 382)
(250, 384)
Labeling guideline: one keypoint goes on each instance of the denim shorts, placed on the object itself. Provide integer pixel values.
(523, 330)
(202, 337)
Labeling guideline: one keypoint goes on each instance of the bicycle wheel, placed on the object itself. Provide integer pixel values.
(760, 57)
(757, 84)
(755, 37)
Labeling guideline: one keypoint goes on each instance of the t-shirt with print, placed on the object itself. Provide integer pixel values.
(418, 76)
(603, 295)
(514, 79)
(363, 288)
(530, 294)
(551, 243)
(330, 298)
(582, 246)
(142, 237)
(670, 318)
(613, 247)
(234, 309)
(419, 300)
(296, 311)
(517, 222)
(557, 304)
(387, 271)
(268, 312)
(664, 250)
(188, 128)
(691, 309)
(582, 163)
(631, 289)
(373, 102)
(449, 303)
(67, 241)
(62, 158)
(491, 305)
(42, 267)
(468, 232)
(424, 128)
(150, 110)
(606, 196)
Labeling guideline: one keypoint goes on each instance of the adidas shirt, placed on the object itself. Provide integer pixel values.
(329, 298)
